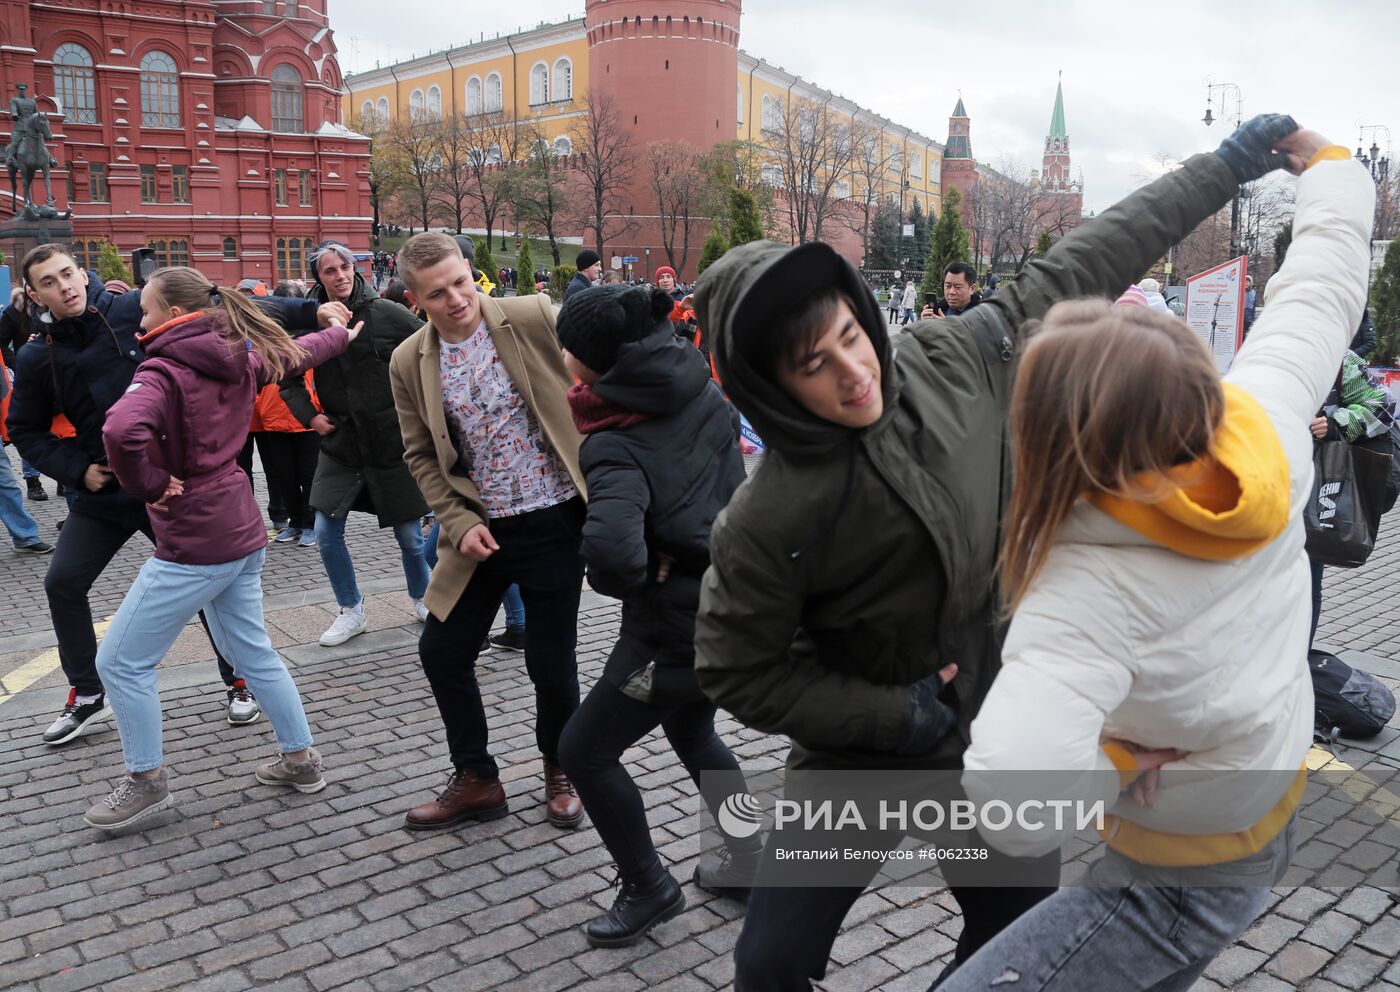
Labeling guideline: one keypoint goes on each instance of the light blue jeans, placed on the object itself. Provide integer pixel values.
(1128, 927)
(335, 558)
(166, 596)
(23, 530)
(514, 605)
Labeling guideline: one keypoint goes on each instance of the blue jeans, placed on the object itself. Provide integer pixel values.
(514, 605)
(1127, 927)
(23, 530)
(28, 470)
(335, 558)
(165, 596)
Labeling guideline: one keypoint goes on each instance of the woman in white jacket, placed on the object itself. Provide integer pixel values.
(1157, 655)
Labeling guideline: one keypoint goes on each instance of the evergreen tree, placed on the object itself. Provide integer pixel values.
(884, 238)
(715, 246)
(947, 244)
(1385, 307)
(483, 260)
(525, 281)
(744, 222)
(110, 265)
(1043, 244)
(1282, 240)
(918, 248)
(559, 278)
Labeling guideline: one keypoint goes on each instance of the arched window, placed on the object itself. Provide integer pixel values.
(230, 249)
(916, 165)
(539, 84)
(843, 189)
(772, 174)
(416, 105)
(381, 110)
(286, 99)
(435, 103)
(367, 113)
(562, 86)
(493, 155)
(72, 75)
(474, 95)
(493, 92)
(563, 146)
(160, 91)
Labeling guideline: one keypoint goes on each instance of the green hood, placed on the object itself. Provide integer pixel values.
(742, 295)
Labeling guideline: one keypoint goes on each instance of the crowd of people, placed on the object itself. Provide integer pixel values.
(1020, 539)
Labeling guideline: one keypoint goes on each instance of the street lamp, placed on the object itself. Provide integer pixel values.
(647, 251)
(1227, 91)
(1380, 173)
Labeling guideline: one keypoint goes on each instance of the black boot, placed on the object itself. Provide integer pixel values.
(36, 490)
(635, 912)
(730, 874)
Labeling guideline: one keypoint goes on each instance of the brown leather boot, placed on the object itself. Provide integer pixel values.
(467, 797)
(563, 807)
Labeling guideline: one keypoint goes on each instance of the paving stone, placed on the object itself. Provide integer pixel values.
(1234, 964)
(1355, 968)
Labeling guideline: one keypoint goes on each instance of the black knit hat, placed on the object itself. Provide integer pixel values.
(595, 323)
(586, 258)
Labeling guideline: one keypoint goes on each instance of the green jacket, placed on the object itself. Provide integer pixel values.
(855, 563)
(361, 465)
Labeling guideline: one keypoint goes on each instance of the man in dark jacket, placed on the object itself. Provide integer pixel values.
(361, 465)
(1364, 341)
(853, 576)
(82, 364)
(590, 266)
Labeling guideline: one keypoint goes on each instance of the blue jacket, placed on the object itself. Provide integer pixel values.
(79, 367)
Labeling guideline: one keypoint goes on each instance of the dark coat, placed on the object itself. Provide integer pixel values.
(655, 488)
(577, 283)
(14, 331)
(361, 465)
(186, 414)
(1364, 341)
(856, 563)
(79, 367)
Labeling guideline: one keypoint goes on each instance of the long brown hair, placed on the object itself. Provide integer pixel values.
(188, 289)
(1107, 399)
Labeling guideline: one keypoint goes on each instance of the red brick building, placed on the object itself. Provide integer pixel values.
(209, 131)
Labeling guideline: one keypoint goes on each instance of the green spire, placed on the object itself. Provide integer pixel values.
(959, 111)
(1057, 119)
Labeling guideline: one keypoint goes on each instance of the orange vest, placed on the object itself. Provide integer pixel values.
(270, 412)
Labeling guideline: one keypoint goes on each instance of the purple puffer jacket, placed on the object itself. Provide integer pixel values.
(186, 414)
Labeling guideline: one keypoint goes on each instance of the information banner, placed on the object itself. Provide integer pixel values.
(1215, 309)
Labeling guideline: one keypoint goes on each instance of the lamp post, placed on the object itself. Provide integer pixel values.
(1380, 173)
(1227, 91)
(647, 252)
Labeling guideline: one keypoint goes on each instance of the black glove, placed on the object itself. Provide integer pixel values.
(1249, 152)
(930, 719)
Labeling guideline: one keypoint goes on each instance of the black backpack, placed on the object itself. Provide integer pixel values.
(1347, 703)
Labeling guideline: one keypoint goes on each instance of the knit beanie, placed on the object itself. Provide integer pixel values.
(586, 258)
(595, 323)
(666, 270)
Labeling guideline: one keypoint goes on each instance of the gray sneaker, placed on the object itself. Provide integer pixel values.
(304, 776)
(133, 799)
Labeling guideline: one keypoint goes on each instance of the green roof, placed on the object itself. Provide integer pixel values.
(959, 111)
(1057, 119)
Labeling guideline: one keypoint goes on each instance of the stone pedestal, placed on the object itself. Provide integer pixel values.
(21, 233)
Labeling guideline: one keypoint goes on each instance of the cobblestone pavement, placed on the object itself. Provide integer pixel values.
(241, 886)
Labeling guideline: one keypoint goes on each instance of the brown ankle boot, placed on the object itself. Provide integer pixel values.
(467, 797)
(563, 807)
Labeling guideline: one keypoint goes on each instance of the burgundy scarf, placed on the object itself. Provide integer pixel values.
(592, 413)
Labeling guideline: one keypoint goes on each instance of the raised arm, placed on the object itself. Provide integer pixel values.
(1105, 255)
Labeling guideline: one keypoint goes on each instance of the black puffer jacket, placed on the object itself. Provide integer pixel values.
(361, 465)
(655, 488)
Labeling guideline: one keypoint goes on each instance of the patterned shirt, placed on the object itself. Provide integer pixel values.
(499, 443)
(1363, 406)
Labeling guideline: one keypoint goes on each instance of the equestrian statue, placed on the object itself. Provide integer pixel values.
(26, 153)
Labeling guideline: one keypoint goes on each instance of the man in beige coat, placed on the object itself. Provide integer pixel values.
(480, 392)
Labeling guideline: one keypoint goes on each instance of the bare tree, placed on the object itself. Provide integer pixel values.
(815, 151)
(540, 189)
(413, 143)
(383, 174)
(677, 181)
(495, 139)
(869, 166)
(606, 164)
(456, 177)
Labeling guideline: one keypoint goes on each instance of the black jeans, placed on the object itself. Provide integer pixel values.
(606, 725)
(86, 545)
(539, 553)
(788, 932)
(289, 461)
(1316, 567)
(276, 504)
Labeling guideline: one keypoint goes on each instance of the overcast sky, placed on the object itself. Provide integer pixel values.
(1134, 81)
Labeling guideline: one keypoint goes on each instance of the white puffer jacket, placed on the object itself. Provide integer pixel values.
(1119, 637)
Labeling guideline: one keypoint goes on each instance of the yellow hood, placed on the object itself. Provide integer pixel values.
(1230, 503)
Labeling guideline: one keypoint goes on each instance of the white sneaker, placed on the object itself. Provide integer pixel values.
(350, 622)
(421, 610)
